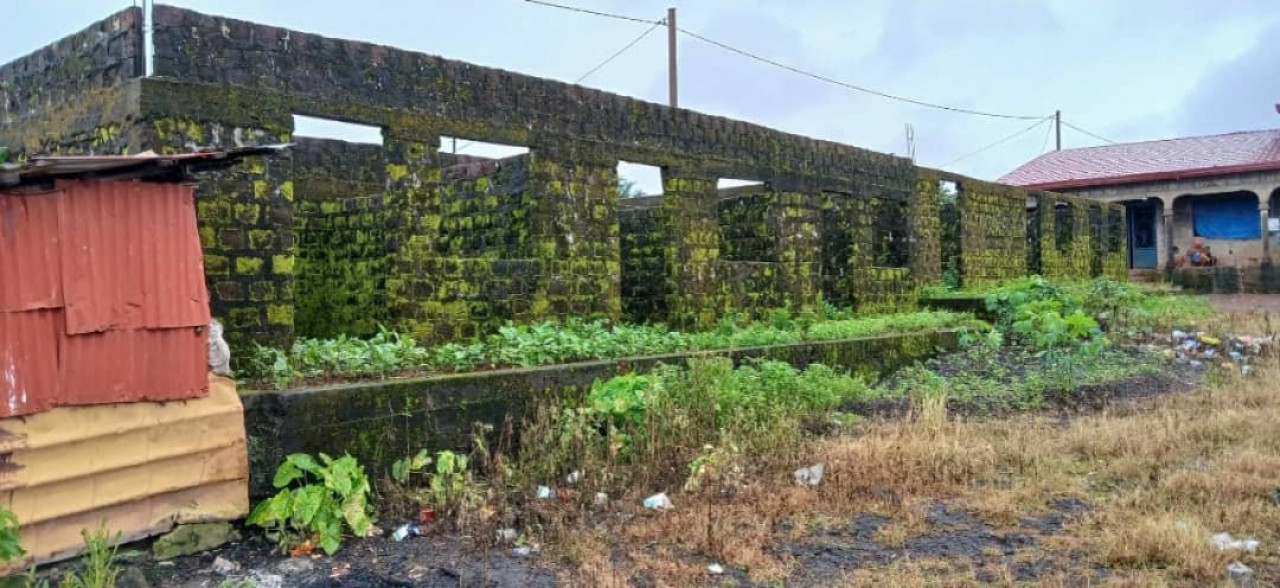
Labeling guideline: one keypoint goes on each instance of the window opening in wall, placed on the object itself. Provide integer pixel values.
(731, 183)
(468, 149)
(638, 179)
(1227, 216)
(1063, 225)
(890, 247)
(324, 128)
(948, 190)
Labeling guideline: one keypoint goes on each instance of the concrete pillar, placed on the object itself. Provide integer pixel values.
(691, 223)
(412, 220)
(1166, 217)
(1264, 213)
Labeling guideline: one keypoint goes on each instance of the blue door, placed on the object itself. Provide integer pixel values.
(1142, 236)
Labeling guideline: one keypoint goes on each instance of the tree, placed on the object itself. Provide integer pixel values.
(627, 188)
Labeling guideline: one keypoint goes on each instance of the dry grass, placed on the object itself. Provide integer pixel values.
(1162, 477)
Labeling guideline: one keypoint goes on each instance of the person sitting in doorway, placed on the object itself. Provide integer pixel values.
(1198, 255)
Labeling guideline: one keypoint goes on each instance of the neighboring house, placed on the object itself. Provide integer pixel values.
(1219, 190)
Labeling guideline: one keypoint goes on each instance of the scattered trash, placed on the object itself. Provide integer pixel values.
(658, 501)
(1239, 573)
(405, 531)
(601, 499)
(1179, 336)
(573, 478)
(265, 580)
(546, 493)
(224, 567)
(810, 476)
(302, 549)
(715, 569)
(1225, 542)
(1236, 355)
(1209, 340)
(1195, 363)
(522, 551)
(507, 535)
(566, 493)
(427, 515)
(295, 566)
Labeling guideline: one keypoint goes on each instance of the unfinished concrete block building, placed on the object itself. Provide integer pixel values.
(340, 237)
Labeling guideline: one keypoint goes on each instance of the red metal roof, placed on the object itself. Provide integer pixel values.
(29, 274)
(132, 365)
(102, 296)
(28, 361)
(131, 257)
(1151, 161)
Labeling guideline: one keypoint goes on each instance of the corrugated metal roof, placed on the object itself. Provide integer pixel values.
(28, 361)
(146, 165)
(131, 257)
(119, 266)
(1151, 161)
(132, 365)
(29, 274)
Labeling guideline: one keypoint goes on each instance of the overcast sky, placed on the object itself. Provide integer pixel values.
(1128, 70)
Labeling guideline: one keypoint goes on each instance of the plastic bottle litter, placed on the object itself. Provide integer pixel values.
(810, 476)
(522, 551)
(1239, 573)
(546, 493)
(658, 501)
(1225, 542)
(1179, 336)
(601, 499)
(574, 477)
(1210, 340)
(507, 535)
(715, 569)
(405, 531)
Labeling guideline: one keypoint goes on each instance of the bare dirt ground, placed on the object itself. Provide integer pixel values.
(1246, 303)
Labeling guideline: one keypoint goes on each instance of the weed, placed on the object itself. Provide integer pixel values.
(10, 547)
(316, 499)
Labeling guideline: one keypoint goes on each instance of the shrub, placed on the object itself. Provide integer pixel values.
(316, 500)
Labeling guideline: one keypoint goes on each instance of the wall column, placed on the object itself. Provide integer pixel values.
(691, 223)
(1264, 208)
(412, 221)
(1166, 216)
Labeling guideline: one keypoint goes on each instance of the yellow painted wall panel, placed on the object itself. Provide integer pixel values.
(142, 467)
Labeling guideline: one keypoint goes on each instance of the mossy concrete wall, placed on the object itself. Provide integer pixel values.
(379, 422)
(466, 247)
(991, 233)
(339, 217)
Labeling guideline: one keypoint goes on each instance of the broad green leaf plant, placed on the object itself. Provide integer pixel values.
(317, 500)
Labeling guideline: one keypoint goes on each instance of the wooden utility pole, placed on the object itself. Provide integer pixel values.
(1057, 129)
(672, 78)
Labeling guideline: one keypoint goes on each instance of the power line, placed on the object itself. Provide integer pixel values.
(1094, 135)
(593, 70)
(620, 51)
(998, 143)
(591, 12)
(854, 87)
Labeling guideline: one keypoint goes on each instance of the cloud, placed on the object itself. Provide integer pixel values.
(1241, 94)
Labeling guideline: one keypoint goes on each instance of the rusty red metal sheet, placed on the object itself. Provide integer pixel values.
(131, 257)
(29, 361)
(133, 365)
(29, 255)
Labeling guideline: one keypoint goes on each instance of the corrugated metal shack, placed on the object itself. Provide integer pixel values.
(107, 410)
